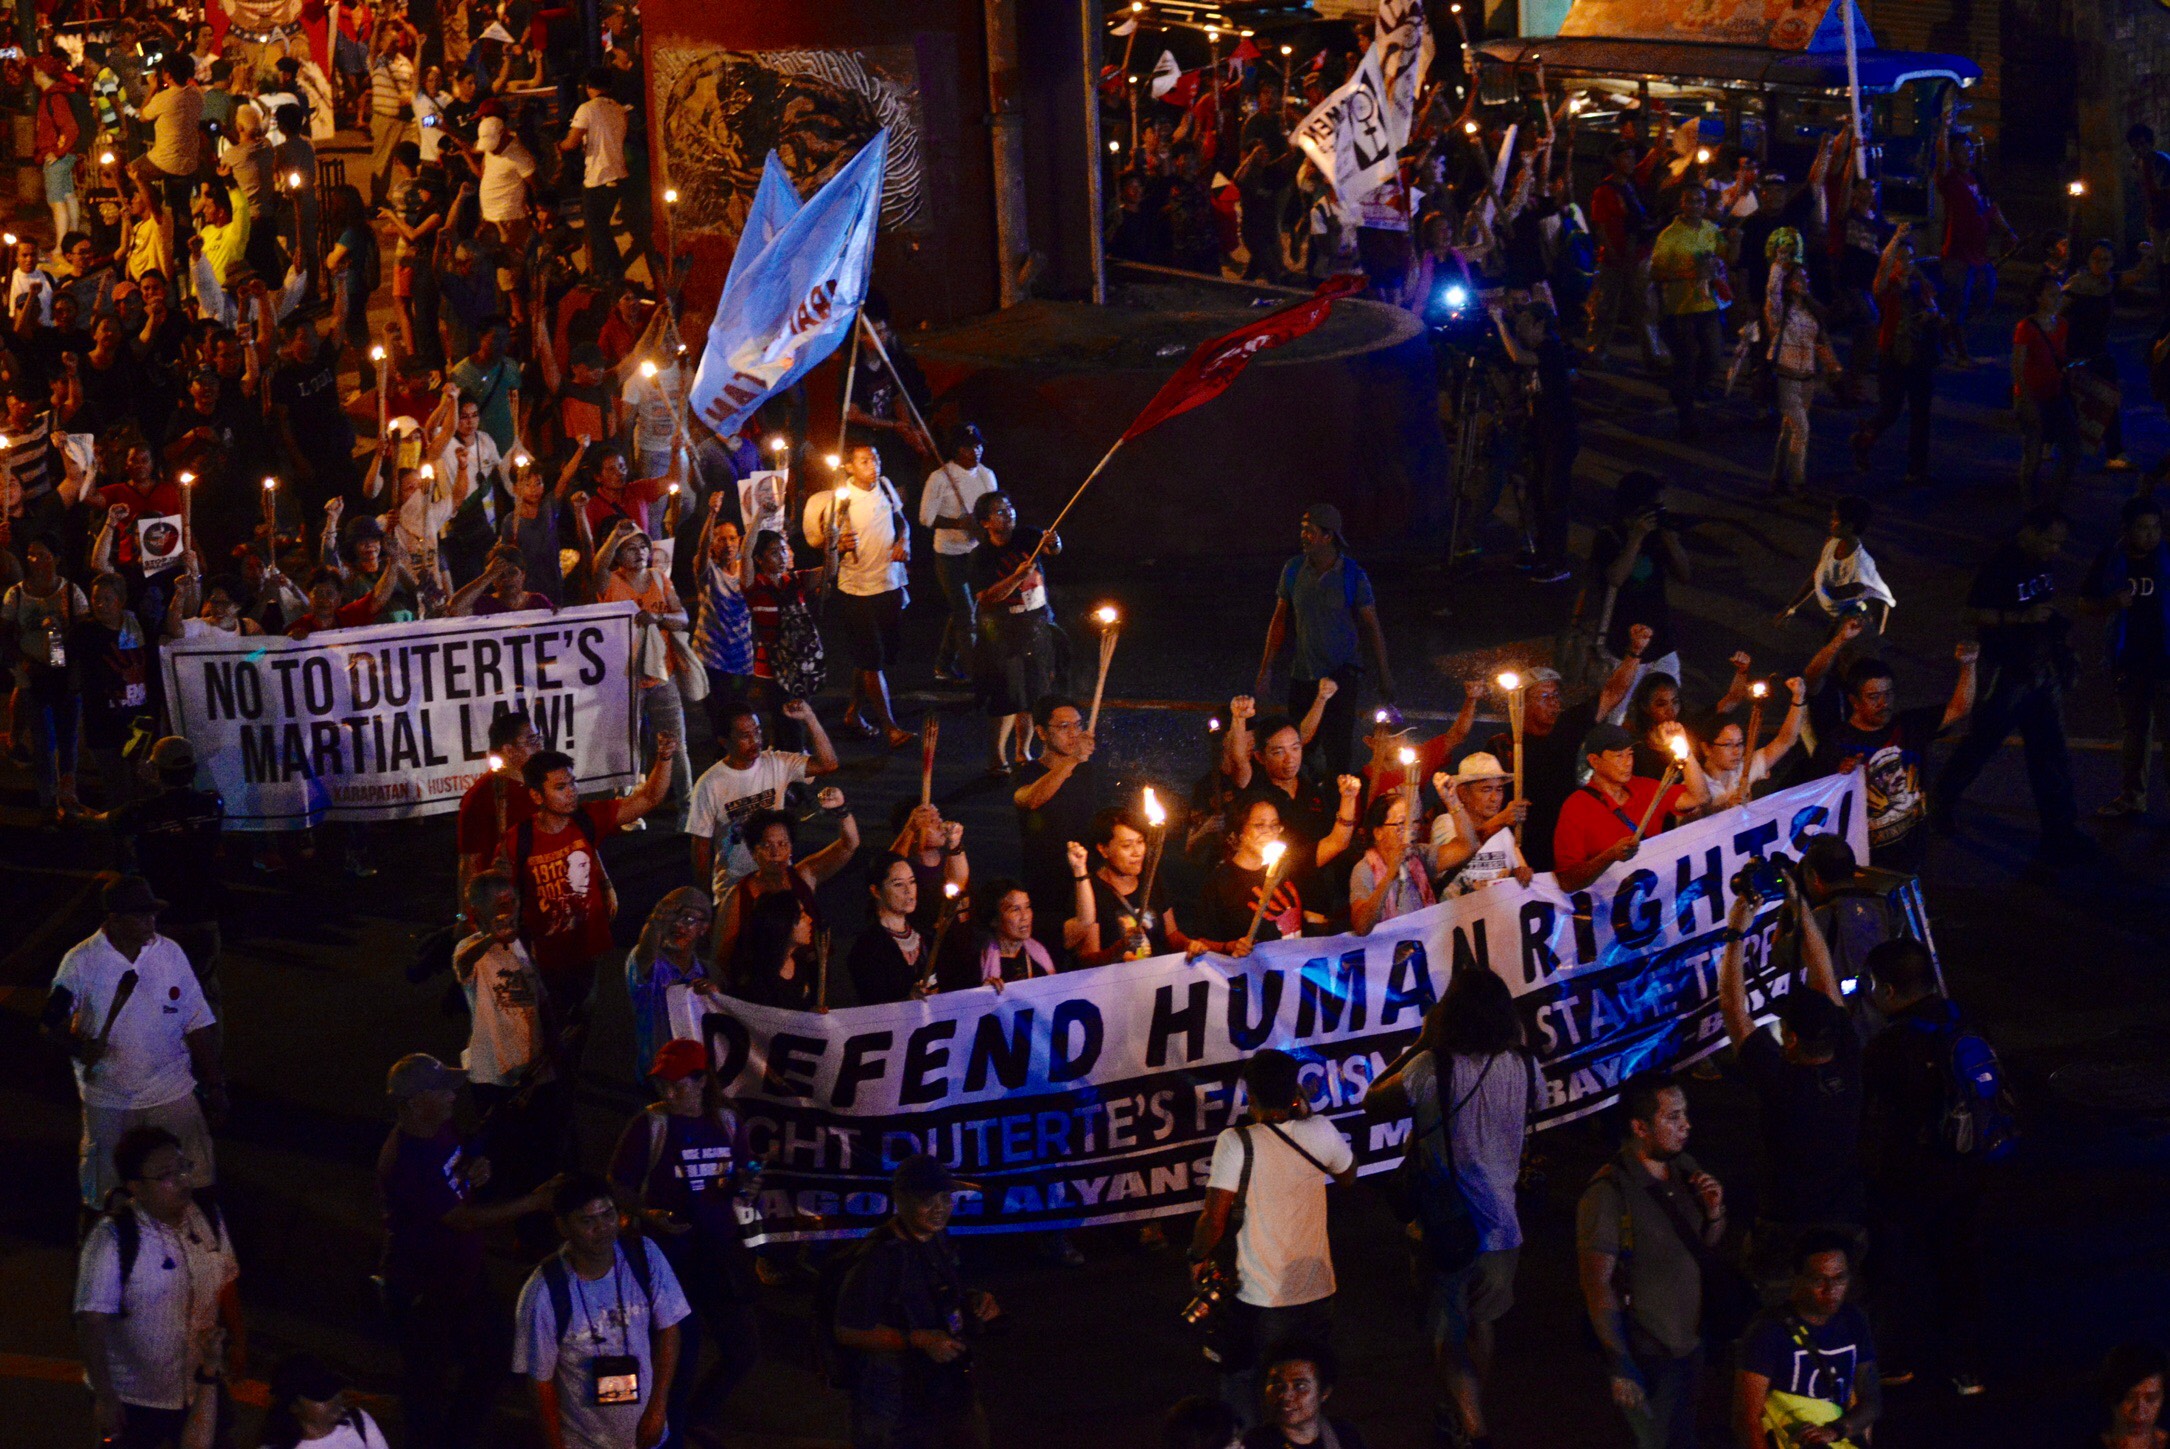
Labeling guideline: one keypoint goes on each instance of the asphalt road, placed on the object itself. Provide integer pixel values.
(2064, 971)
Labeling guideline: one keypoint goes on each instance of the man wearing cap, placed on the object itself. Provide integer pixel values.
(1325, 604)
(679, 1167)
(906, 1316)
(452, 1335)
(945, 506)
(173, 839)
(126, 1005)
(1598, 822)
(1808, 1084)
(1468, 852)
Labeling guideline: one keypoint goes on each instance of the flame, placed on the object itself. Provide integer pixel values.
(1273, 850)
(648, 368)
(497, 762)
(1679, 746)
(1155, 814)
(1407, 757)
(951, 889)
(188, 480)
(833, 461)
(376, 354)
(1759, 689)
(1106, 615)
(271, 485)
(778, 444)
(2077, 188)
(1510, 681)
(670, 196)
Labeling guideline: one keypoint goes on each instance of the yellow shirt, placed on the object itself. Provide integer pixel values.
(149, 251)
(223, 245)
(1675, 263)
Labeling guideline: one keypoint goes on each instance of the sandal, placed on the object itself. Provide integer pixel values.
(862, 728)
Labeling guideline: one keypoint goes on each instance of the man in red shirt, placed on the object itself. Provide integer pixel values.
(498, 801)
(1597, 823)
(1621, 224)
(2041, 345)
(1970, 276)
(566, 899)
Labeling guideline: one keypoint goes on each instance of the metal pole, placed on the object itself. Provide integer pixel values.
(1013, 241)
(1088, 74)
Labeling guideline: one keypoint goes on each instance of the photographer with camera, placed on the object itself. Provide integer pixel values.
(1807, 1081)
(1274, 1169)
(905, 1320)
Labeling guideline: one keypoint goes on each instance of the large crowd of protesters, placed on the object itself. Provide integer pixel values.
(492, 419)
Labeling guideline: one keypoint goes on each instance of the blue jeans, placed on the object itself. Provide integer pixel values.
(2016, 700)
(1964, 289)
(662, 710)
(1671, 1387)
(954, 573)
(52, 741)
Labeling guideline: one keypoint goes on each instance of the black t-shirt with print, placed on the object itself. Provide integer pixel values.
(1811, 1130)
(1893, 760)
(1231, 894)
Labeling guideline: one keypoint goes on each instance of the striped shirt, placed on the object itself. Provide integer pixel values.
(29, 457)
(391, 84)
(723, 634)
(166, 1313)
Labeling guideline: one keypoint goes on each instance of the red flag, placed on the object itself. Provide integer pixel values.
(1208, 371)
(1245, 51)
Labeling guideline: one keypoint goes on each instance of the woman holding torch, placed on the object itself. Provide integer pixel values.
(1129, 915)
(1732, 765)
(1259, 893)
(1391, 880)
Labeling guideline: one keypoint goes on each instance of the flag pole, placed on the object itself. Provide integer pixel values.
(898, 378)
(1050, 531)
(851, 373)
(1853, 90)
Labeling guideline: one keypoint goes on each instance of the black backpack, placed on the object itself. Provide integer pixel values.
(128, 1234)
(836, 1365)
(558, 1281)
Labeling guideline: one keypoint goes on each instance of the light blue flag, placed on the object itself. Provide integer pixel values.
(775, 202)
(790, 306)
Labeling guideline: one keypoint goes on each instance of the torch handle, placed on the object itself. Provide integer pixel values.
(1265, 894)
(1107, 657)
(929, 732)
(1672, 773)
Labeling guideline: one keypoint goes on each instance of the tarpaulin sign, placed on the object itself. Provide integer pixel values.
(391, 721)
(1095, 1096)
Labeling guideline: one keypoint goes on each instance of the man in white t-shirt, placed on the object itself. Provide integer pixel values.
(745, 779)
(127, 1006)
(596, 1336)
(873, 545)
(946, 507)
(155, 1301)
(507, 170)
(598, 130)
(505, 996)
(1473, 842)
(1277, 1166)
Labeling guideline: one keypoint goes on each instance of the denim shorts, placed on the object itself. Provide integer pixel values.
(60, 178)
(1479, 1292)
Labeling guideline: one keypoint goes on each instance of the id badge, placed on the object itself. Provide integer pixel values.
(56, 650)
(617, 1379)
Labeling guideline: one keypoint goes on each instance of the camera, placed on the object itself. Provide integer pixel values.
(1762, 878)
(1215, 1287)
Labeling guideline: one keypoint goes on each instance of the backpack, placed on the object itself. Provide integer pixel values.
(128, 1234)
(1978, 1118)
(834, 1364)
(1436, 1203)
(558, 1282)
(797, 656)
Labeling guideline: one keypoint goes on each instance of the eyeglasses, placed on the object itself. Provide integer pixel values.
(182, 1168)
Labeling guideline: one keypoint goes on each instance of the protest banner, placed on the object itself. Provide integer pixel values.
(392, 721)
(1095, 1096)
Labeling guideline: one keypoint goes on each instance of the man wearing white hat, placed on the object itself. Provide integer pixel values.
(507, 169)
(1472, 843)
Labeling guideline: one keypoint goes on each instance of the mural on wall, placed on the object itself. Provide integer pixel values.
(1780, 24)
(722, 111)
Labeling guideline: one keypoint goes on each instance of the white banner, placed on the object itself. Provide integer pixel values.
(1095, 1096)
(1355, 136)
(392, 721)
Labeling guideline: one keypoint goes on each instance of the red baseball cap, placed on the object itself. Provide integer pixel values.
(677, 1060)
